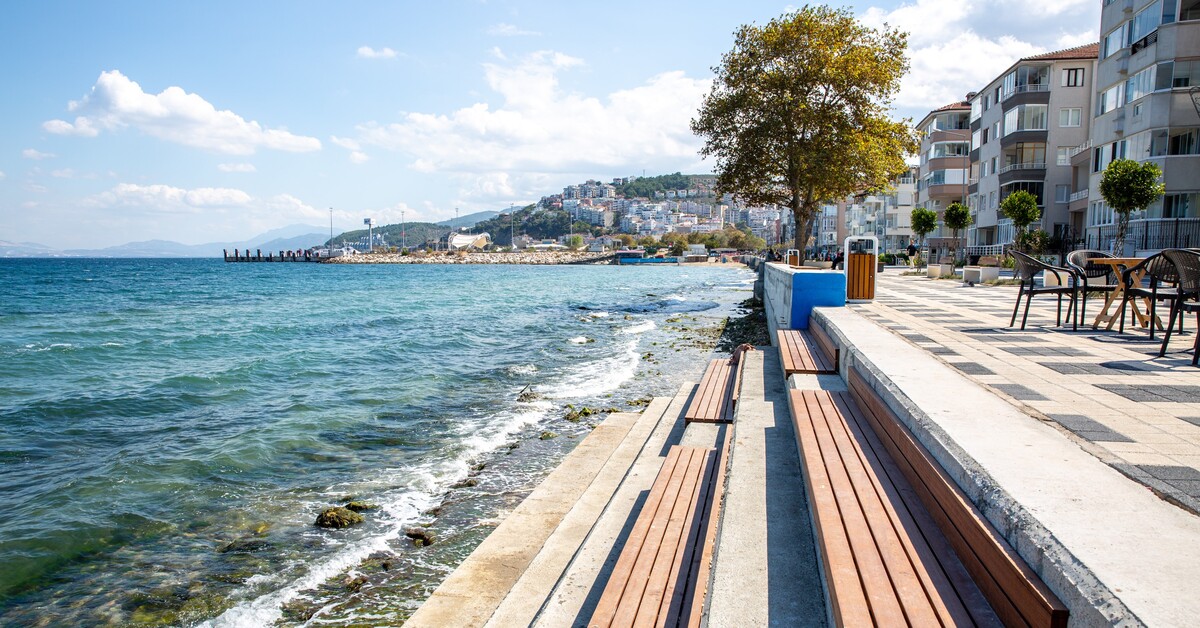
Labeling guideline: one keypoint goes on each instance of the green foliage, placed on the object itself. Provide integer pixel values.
(647, 186)
(1128, 186)
(924, 221)
(1033, 242)
(413, 233)
(1021, 207)
(677, 248)
(800, 112)
(957, 217)
(575, 242)
(530, 221)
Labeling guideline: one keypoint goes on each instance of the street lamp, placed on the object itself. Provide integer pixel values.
(512, 220)
(370, 223)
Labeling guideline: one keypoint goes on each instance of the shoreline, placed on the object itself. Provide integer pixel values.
(539, 258)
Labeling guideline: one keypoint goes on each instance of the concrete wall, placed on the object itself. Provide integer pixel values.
(789, 294)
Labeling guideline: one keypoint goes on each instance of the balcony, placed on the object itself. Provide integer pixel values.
(1081, 148)
(1023, 137)
(1029, 171)
(1078, 195)
(1026, 94)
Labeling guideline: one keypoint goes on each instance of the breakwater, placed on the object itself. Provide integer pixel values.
(457, 257)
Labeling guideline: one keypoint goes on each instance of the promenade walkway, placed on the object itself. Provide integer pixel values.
(1108, 392)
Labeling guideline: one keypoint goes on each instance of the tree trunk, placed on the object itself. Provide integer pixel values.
(1122, 230)
(803, 227)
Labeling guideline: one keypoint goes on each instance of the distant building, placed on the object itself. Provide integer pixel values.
(945, 144)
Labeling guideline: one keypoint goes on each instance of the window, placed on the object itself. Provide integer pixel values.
(1186, 73)
(1025, 118)
(1062, 193)
(1026, 79)
(995, 164)
(985, 169)
(1145, 22)
(1070, 116)
(1114, 41)
(1063, 156)
(1184, 142)
(1113, 98)
(1178, 205)
(1072, 77)
(1140, 84)
(975, 137)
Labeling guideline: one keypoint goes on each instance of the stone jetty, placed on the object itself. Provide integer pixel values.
(519, 257)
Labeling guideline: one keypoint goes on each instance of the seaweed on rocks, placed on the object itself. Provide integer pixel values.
(338, 517)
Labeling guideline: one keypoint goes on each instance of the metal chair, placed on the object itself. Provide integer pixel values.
(1162, 286)
(1187, 265)
(1089, 274)
(1026, 269)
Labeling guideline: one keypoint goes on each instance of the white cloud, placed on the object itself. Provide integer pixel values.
(499, 152)
(115, 103)
(345, 142)
(36, 155)
(508, 30)
(367, 52)
(2, 175)
(29, 204)
(958, 46)
(236, 167)
(169, 199)
(359, 157)
(65, 173)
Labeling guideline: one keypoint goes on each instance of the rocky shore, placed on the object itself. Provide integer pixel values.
(520, 257)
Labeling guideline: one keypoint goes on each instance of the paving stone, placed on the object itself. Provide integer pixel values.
(1019, 392)
(1172, 472)
(974, 368)
(1089, 429)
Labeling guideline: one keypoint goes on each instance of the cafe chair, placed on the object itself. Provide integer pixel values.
(1026, 269)
(1187, 265)
(1090, 276)
(1161, 287)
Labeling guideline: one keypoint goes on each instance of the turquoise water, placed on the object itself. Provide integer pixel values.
(170, 429)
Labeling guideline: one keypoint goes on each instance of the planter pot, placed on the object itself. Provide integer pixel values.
(937, 270)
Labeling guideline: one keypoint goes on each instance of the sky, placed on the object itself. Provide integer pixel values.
(214, 121)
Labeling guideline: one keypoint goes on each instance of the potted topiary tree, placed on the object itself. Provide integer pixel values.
(924, 221)
(957, 217)
(1128, 186)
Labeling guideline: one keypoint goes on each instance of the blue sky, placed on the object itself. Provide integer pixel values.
(213, 121)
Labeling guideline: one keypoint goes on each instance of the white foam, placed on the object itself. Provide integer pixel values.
(639, 328)
(523, 369)
(579, 340)
(267, 609)
(596, 378)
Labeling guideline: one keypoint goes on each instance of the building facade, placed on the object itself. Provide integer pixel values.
(1147, 108)
(945, 144)
(1025, 126)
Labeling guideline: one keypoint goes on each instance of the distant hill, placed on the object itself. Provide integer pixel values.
(411, 234)
(284, 238)
(470, 220)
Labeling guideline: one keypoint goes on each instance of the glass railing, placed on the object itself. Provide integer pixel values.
(1028, 165)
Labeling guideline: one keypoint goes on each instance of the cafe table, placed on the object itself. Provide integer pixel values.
(1119, 264)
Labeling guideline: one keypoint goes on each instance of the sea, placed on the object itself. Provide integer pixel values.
(170, 429)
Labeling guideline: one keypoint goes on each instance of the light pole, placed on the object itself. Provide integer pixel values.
(330, 228)
(370, 223)
(512, 221)
(403, 234)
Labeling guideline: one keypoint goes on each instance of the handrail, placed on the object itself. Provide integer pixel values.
(1021, 89)
(1078, 195)
(1082, 147)
(1028, 165)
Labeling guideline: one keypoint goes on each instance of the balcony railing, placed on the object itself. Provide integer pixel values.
(1078, 195)
(1028, 165)
(1082, 147)
(1022, 89)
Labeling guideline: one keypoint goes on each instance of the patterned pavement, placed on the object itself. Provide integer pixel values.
(1109, 392)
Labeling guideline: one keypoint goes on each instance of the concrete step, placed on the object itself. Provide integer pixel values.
(765, 571)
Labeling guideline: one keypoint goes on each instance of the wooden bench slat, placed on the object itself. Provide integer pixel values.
(674, 551)
(691, 606)
(715, 397)
(894, 546)
(655, 580)
(928, 594)
(1015, 592)
(849, 603)
(881, 597)
(800, 351)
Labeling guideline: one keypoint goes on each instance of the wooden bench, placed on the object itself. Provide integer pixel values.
(806, 351)
(661, 576)
(988, 269)
(716, 396)
(898, 540)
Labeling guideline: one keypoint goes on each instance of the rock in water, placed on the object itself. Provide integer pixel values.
(338, 517)
(357, 506)
(420, 536)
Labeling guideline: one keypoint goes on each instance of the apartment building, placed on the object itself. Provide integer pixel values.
(1147, 108)
(1025, 126)
(945, 144)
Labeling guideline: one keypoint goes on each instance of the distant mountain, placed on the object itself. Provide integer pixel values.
(470, 220)
(285, 238)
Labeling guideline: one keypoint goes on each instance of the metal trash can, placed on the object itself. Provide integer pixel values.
(861, 255)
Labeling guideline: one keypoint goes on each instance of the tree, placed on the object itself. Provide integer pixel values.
(924, 221)
(1128, 186)
(575, 242)
(799, 112)
(957, 217)
(1022, 209)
